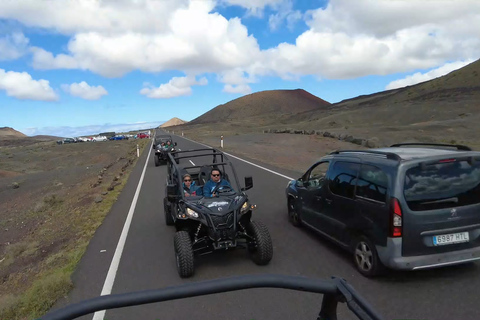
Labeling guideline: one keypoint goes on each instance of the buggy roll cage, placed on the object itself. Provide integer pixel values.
(334, 291)
(205, 152)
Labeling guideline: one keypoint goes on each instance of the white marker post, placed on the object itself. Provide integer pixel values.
(221, 142)
(182, 133)
(138, 152)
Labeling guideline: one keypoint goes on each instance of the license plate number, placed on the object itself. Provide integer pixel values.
(450, 238)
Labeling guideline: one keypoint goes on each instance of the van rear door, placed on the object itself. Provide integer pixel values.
(441, 206)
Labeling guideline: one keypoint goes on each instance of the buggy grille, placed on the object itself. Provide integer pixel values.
(223, 222)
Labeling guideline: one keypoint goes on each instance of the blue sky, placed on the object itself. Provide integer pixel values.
(82, 67)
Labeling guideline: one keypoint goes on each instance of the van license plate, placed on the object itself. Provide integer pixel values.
(450, 238)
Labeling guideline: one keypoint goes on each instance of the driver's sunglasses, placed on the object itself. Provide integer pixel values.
(186, 180)
(215, 175)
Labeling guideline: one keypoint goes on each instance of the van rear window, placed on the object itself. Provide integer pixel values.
(442, 185)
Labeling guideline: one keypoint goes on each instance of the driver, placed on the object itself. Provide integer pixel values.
(214, 183)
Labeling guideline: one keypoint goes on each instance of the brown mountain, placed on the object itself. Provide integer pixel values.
(263, 107)
(443, 109)
(9, 133)
(173, 122)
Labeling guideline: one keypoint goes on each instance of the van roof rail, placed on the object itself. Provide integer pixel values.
(457, 146)
(388, 155)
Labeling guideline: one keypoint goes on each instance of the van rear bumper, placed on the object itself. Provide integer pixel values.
(391, 257)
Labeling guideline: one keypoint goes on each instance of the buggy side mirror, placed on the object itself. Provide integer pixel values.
(248, 183)
(174, 143)
(172, 190)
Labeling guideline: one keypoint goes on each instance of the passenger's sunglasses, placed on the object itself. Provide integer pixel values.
(215, 175)
(186, 180)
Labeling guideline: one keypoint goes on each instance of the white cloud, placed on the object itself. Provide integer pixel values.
(20, 85)
(84, 91)
(108, 16)
(285, 12)
(196, 42)
(241, 88)
(13, 46)
(254, 7)
(346, 39)
(177, 86)
(432, 74)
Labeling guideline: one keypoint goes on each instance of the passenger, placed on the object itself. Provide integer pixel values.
(215, 183)
(189, 187)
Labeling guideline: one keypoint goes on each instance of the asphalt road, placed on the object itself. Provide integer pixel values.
(148, 262)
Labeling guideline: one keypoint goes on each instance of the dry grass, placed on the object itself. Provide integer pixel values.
(39, 264)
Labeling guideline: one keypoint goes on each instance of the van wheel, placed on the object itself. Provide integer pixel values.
(366, 258)
(293, 216)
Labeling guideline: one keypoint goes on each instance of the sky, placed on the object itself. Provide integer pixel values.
(79, 67)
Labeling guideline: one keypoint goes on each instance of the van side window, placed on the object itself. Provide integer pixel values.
(316, 176)
(342, 178)
(372, 183)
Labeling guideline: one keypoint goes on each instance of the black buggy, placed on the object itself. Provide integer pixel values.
(207, 224)
(161, 148)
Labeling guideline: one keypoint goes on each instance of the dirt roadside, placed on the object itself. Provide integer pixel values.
(52, 199)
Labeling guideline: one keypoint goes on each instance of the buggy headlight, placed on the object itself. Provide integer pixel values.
(244, 208)
(192, 213)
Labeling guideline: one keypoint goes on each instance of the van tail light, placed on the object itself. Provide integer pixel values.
(395, 218)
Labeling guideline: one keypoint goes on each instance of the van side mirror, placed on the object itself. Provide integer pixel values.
(248, 183)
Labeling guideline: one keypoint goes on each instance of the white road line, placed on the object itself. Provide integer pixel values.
(251, 163)
(191, 162)
(112, 271)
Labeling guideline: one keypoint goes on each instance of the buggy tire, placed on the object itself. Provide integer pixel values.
(262, 253)
(366, 259)
(157, 161)
(184, 254)
(168, 213)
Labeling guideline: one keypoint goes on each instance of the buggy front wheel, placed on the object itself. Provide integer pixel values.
(260, 247)
(184, 254)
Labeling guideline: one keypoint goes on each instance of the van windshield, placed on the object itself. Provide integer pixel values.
(442, 185)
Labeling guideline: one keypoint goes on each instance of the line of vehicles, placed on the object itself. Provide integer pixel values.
(409, 206)
(113, 137)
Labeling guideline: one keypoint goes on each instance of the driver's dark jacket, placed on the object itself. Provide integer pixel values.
(210, 186)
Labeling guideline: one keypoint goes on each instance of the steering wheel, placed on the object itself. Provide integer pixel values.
(224, 189)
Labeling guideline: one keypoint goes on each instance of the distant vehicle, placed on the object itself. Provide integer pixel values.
(142, 136)
(66, 140)
(99, 138)
(162, 148)
(118, 138)
(410, 206)
(207, 224)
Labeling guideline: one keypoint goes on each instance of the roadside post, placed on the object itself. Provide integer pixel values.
(221, 141)
(182, 133)
(138, 152)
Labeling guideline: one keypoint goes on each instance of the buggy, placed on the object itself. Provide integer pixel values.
(207, 224)
(161, 147)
